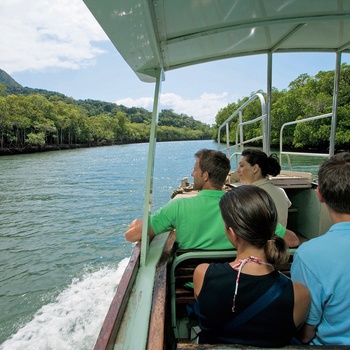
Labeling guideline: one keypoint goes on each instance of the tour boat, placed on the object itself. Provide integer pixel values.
(155, 36)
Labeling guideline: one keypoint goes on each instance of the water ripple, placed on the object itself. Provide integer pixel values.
(62, 213)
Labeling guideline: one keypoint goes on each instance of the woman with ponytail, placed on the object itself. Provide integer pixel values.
(248, 301)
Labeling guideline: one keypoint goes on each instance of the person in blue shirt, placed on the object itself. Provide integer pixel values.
(322, 263)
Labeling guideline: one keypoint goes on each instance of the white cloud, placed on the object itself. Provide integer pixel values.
(143, 102)
(203, 108)
(41, 34)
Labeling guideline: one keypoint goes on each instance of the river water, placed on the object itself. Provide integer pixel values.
(63, 216)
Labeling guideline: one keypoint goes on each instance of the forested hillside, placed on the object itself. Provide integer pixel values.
(306, 96)
(41, 118)
(32, 118)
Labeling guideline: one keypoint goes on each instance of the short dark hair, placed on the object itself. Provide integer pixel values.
(251, 213)
(269, 165)
(216, 164)
(334, 182)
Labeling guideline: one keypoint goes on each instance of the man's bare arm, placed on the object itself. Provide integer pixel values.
(291, 239)
(134, 233)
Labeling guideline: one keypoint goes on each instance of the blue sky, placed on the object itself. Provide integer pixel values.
(57, 45)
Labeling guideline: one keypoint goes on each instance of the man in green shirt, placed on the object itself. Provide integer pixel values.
(197, 219)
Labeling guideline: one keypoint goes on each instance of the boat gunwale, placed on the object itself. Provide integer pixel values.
(113, 319)
(157, 327)
(187, 346)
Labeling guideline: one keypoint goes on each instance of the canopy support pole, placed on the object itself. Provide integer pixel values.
(150, 168)
(266, 140)
(335, 103)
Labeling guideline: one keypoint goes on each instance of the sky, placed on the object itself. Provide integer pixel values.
(57, 45)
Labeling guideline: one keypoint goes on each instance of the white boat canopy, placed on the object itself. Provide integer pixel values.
(154, 35)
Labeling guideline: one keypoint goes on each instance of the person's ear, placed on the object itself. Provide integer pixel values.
(205, 176)
(319, 195)
(232, 234)
(256, 168)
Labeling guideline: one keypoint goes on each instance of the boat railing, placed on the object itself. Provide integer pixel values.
(240, 141)
(288, 153)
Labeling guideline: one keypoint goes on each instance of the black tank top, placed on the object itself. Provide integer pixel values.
(272, 327)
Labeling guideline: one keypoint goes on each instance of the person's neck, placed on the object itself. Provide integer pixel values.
(338, 217)
(258, 177)
(257, 265)
(254, 178)
(250, 251)
(209, 186)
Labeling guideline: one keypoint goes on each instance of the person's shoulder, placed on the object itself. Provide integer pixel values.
(214, 267)
(301, 290)
(211, 193)
(177, 200)
(201, 269)
(265, 182)
(313, 248)
(305, 246)
(173, 205)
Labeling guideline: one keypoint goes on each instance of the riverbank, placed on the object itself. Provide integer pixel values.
(48, 148)
(37, 149)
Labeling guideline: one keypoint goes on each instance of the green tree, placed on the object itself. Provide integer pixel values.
(37, 139)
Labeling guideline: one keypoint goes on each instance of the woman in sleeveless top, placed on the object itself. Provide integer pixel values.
(228, 294)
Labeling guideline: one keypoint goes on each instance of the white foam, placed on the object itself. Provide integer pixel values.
(74, 320)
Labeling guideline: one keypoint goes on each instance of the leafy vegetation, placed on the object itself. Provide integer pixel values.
(41, 118)
(305, 97)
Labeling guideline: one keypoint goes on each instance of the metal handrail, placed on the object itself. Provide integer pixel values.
(300, 153)
(240, 125)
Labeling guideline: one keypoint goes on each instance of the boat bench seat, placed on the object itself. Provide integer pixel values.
(286, 179)
(184, 265)
(292, 179)
(181, 274)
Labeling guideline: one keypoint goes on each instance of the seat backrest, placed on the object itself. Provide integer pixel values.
(181, 274)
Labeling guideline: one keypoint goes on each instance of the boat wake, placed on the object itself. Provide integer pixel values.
(74, 319)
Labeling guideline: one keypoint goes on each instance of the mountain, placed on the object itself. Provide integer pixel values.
(8, 81)
(12, 87)
(97, 107)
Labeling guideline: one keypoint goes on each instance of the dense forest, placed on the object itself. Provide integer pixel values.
(34, 119)
(40, 119)
(306, 96)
